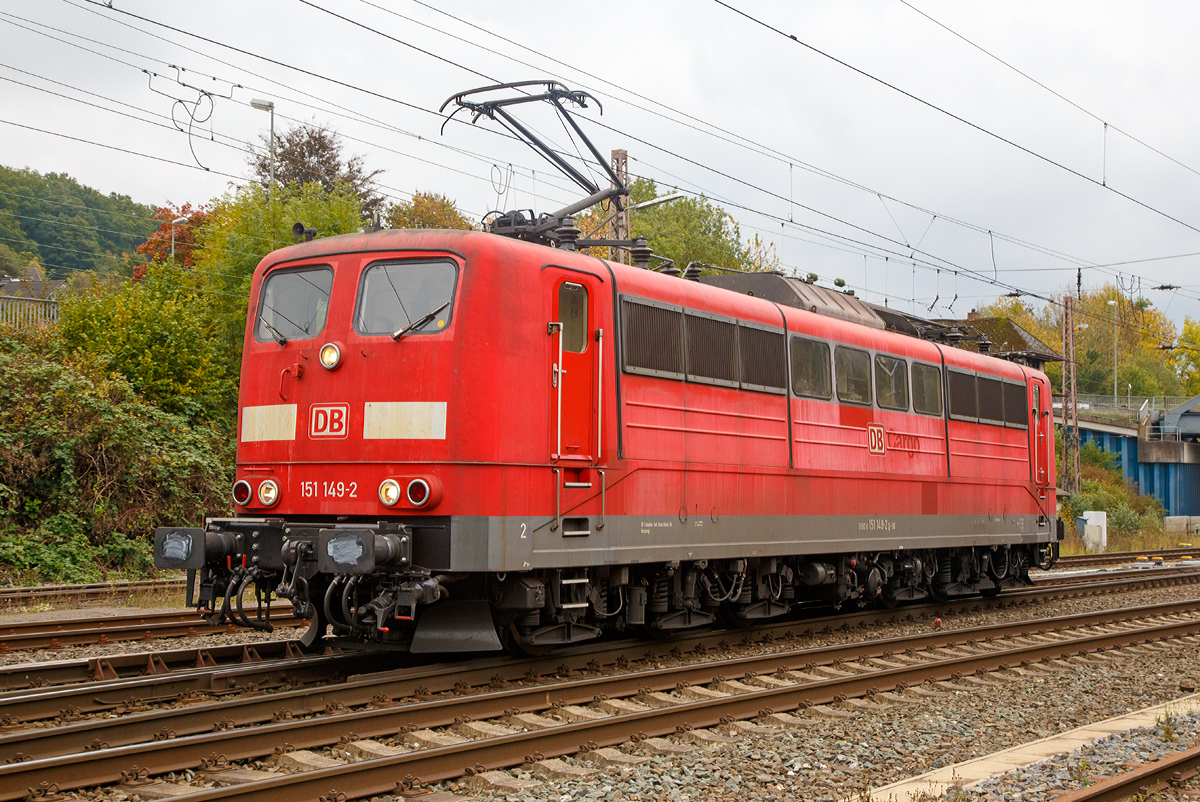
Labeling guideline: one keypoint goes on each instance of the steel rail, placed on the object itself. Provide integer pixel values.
(1112, 575)
(1169, 772)
(43, 703)
(380, 775)
(185, 751)
(1109, 558)
(66, 632)
(13, 595)
(24, 676)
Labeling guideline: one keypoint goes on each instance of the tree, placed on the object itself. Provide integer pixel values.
(1187, 356)
(244, 226)
(68, 227)
(684, 230)
(158, 246)
(427, 210)
(309, 153)
(1140, 330)
(158, 333)
(688, 229)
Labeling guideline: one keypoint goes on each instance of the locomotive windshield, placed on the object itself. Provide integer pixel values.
(293, 304)
(395, 295)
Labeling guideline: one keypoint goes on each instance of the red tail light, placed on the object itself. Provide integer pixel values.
(241, 492)
(418, 492)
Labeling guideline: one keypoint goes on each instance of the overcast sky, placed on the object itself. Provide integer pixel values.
(847, 177)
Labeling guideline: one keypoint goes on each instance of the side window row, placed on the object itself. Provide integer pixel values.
(671, 342)
(987, 400)
(812, 378)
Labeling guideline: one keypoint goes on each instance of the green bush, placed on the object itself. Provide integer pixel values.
(88, 467)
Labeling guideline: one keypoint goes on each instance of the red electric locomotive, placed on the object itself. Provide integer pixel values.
(457, 441)
(450, 439)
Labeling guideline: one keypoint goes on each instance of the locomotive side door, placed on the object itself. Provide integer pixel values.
(574, 362)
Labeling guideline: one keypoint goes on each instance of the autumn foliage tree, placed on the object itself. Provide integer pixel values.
(158, 246)
(1143, 367)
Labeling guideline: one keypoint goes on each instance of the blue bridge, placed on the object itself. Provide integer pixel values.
(1160, 461)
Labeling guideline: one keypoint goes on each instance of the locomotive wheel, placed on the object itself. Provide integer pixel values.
(887, 600)
(989, 593)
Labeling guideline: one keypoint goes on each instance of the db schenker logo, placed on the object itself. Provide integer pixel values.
(328, 421)
(875, 439)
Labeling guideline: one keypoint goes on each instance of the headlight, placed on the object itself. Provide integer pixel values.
(241, 492)
(330, 356)
(418, 492)
(268, 492)
(389, 492)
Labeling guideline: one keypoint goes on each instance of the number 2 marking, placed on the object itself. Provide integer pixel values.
(522, 531)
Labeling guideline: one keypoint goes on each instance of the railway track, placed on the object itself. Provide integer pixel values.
(64, 632)
(12, 596)
(1161, 775)
(1121, 557)
(609, 705)
(74, 632)
(37, 691)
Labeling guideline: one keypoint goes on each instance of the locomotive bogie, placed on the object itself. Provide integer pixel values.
(453, 440)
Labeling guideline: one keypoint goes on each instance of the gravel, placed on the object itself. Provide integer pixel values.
(840, 759)
(1089, 764)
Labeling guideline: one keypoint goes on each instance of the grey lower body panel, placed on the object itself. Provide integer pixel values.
(482, 543)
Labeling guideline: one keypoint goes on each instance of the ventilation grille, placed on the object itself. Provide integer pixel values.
(764, 358)
(1016, 408)
(653, 339)
(712, 351)
(962, 395)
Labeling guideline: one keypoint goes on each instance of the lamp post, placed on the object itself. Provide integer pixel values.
(268, 105)
(1113, 304)
(178, 221)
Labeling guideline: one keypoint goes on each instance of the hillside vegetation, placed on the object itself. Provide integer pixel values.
(64, 227)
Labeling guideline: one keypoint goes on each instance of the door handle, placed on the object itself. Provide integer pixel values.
(283, 374)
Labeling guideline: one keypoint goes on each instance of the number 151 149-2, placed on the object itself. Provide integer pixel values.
(329, 489)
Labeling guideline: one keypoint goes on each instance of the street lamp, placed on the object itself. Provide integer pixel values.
(1113, 304)
(267, 105)
(178, 221)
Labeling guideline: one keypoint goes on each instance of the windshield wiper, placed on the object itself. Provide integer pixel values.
(279, 338)
(419, 322)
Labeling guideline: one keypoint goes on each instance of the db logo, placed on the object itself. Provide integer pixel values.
(875, 443)
(328, 420)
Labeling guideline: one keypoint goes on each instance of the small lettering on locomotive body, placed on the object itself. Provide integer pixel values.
(646, 526)
(877, 525)
(904, 442)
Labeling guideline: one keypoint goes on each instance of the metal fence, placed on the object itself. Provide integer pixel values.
(24, 312)
(1135, 403)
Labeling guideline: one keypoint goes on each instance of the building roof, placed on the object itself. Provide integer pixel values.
(1006, 339)
(32, 285)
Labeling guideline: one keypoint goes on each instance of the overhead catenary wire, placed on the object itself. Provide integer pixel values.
(960, 119)
(93, 2)
(865, 231)
(724, 135)
(1052, 91)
